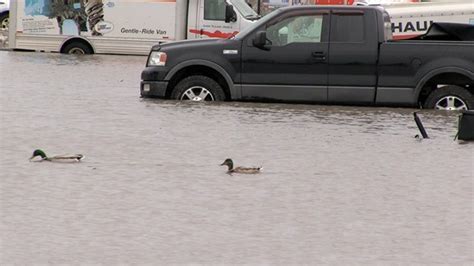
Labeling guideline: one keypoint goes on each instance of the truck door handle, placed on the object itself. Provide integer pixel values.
(320, 56)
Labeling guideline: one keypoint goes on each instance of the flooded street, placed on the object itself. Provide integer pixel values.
(340, 185)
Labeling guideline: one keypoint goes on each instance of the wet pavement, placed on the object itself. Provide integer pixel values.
(340, 185)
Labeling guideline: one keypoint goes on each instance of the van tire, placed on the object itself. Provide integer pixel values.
(4, 20)
(450, 97)
(198, 88)
(77, 48)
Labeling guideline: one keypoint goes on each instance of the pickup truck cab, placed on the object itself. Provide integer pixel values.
(318, 54)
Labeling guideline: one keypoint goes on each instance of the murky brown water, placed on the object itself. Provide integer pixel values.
(341, 185)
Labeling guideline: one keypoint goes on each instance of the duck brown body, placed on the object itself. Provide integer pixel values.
(240, 169)
(59, 158)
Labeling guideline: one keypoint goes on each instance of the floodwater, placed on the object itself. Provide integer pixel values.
(340, 185)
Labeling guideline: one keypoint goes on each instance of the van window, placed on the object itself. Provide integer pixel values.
(347, 28)
(301, 29)
(214, 9)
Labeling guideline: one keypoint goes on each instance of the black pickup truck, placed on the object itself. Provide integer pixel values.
(320, 54)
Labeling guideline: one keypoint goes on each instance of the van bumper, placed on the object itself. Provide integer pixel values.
(153, 88)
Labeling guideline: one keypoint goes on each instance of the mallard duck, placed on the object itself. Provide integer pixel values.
(58, 158)
(239, 169)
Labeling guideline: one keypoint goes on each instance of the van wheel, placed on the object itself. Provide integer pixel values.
(4, 21)
(450, 98)
(198, 88)
(77, 48)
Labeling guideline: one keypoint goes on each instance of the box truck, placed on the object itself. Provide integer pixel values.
(410, 20)
(121, 26)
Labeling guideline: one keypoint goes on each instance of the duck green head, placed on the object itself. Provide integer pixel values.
(229, 163)
(38, 152)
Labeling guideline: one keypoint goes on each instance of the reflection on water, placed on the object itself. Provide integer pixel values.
(341, 185)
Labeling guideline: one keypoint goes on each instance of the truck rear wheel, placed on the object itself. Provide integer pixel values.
(450, 98)
(198, 88)
(77, 48)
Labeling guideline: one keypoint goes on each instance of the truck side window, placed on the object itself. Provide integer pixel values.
(301, 29)
(214, 9)
(347, 28)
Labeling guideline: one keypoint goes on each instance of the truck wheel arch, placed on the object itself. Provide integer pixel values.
(76, 40)
(174, 75)
(437, 72)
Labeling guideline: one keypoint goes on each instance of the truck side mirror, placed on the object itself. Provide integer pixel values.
(260, 40)
(230, 15)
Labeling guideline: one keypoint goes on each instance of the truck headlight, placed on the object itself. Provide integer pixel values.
(157, 59)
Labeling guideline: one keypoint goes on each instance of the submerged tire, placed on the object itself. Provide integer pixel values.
(77, 48)
(450, 98)
(4, 19)
(198, 88)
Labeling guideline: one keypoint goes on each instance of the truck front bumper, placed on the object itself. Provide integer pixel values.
(153, 88)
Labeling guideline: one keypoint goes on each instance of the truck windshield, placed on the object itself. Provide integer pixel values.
(244, 9)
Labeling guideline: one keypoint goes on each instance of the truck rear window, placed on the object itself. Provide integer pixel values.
(347, 28)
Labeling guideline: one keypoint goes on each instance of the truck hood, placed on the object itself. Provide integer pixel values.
(218, 51)
(193, 44)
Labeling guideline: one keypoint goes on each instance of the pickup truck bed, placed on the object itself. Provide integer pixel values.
(410, 70)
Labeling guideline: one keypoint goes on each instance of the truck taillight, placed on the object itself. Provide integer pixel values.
(157, 59)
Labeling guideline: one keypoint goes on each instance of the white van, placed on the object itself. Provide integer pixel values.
(4, 14)
(121, 26)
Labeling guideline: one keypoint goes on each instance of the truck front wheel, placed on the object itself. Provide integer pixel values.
(450, 98)
(198, 88)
